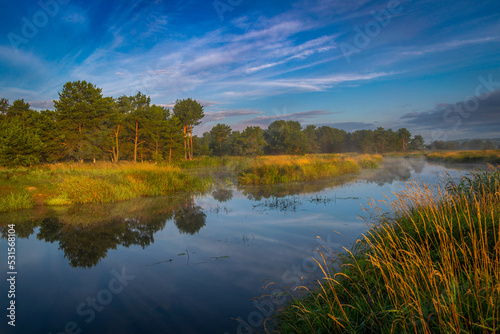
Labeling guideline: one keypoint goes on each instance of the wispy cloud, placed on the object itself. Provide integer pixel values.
(446, 46)
(221, 115)
(46, 104)
(297, 116)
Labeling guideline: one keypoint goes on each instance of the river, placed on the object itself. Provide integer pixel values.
(186, 264)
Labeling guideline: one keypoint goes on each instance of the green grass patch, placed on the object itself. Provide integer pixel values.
(16, 201)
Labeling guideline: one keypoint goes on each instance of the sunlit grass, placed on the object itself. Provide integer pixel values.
(287, 168)
(66, 184)
(16, 201)
(492, 156)
(431, 264)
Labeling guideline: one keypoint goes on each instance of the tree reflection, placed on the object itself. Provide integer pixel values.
(190, 218)
(222, 195)
(86, 233)
(257, 193)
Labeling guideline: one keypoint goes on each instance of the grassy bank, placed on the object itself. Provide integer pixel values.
(491, 156)
(430, 266)
(286, 169)
(65, 184)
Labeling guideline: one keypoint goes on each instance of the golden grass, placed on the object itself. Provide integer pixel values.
(66, 184)
(492, 156)
(288, 168)
(431, 266)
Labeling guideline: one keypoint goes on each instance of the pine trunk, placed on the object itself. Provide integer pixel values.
(185, 142)
(136, 140)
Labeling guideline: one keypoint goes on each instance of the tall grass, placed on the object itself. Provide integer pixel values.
(286, 169)
(430, 266)
(491, 156)
(16, 201)
(123, 182)
(65, 184)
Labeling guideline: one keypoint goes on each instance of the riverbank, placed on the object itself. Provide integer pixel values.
(430, 264)
(67, 184)
(482, 156)
(489, 156)
(286, 168)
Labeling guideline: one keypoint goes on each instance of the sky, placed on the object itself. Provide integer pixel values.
(429, 66)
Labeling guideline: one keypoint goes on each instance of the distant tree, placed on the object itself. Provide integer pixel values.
(285, 137)
(173, 136)
(312, 139)
(137, 110)
(235, 144)
(116, 123)
(367, 140)
(203, 144)
(189, 112)
(417, 143)
(156, 130)
(489, 145)
(330, 140)
(220, 133)
(404, 136)
(253, 141)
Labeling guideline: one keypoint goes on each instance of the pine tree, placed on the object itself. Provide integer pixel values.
(80, 111)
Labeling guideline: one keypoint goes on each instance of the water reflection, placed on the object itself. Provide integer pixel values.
(86, 233)
(190, 218)
(258, 193)
(222, 195)
(233, 243)
(391, 170)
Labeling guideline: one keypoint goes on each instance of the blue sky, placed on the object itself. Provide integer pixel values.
(430, 66)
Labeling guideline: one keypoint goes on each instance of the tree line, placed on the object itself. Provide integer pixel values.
(87, 126)
(289, 137)
(455, 145)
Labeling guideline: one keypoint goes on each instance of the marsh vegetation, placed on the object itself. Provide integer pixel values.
(430, 263)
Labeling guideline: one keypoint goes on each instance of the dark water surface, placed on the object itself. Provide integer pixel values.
(184, 264)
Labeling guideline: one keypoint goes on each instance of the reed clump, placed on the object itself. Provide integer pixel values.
(430, 265)
(491, 156)
(16, 201)
(286, 168)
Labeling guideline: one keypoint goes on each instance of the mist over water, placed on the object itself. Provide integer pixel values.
(186, 264)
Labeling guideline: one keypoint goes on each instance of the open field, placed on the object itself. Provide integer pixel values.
(430, 264)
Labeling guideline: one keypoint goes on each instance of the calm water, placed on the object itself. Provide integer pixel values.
(184, 264)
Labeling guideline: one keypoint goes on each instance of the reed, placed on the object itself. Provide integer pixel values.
(286, 168)
(431, 264)
(491, 156)
(16, 201)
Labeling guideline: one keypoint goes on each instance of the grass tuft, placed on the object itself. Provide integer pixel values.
(16, 201)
